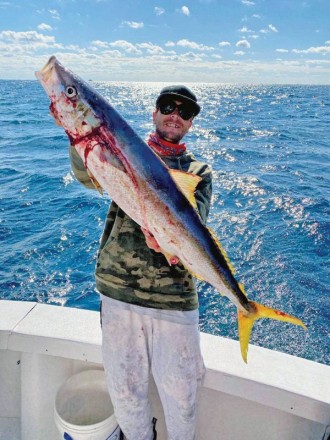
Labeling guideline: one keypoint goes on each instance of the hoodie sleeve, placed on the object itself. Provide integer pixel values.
(203, 193)
(79, 169)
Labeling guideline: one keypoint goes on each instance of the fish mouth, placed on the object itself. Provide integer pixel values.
(48, 78)
(45, 73)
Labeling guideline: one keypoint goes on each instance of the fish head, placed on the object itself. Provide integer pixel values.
(71, 100)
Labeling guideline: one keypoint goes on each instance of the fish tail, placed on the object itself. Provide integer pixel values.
(258, 311)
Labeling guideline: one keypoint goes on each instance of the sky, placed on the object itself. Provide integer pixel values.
(219, 41)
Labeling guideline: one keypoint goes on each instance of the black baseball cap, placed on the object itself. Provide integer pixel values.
(181, 93)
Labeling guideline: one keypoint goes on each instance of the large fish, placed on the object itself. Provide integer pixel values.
(159, 199)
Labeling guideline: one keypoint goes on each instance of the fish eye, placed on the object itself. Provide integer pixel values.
(71, 91)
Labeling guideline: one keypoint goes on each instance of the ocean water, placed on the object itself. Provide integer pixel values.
(269, 150)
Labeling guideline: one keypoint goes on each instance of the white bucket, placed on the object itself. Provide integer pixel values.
(83, 409)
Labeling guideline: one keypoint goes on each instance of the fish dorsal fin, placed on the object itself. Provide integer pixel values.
(224, 253)
(187, 183)
(242, 289)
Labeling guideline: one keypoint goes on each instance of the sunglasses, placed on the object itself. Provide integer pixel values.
(168, 107)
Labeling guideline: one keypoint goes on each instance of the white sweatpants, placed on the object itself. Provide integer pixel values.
(133, 344)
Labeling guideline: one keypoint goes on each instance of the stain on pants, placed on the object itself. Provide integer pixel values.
(135, 345)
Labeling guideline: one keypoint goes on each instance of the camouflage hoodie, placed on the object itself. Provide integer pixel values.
(127, 270)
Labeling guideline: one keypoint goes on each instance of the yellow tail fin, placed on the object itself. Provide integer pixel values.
(246, 321)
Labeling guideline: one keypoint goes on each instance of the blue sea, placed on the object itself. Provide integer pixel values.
(269, 148)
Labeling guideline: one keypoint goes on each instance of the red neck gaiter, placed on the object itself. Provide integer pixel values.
(165, 148)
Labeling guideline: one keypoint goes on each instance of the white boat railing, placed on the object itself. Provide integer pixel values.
(275, 397)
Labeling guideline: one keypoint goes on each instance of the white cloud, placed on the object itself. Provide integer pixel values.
(321, 49)
(318, 62)
(22, 52)
(193, 45)
(100, 44)
(73, 47)
(112, 53)
(45, 27)
(224, 43)
(54, 13)
(133, 24)
(151, 48)
(243, 43)
(126, 46)
(248, 3)
(185, 10)
(25, 37)
(245, 30)
(28, 43)
(270, 28)
(208, 69)
(191, 56)
(159, 11)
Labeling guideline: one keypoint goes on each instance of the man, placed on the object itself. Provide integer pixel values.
(150, 305)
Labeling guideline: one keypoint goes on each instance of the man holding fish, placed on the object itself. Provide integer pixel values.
(155, 238)
(149, 304)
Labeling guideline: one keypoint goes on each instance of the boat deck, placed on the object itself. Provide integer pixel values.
(275, 397)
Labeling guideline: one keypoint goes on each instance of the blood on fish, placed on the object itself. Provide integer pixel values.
(169, 217)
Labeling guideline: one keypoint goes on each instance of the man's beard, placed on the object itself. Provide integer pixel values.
(174, 139)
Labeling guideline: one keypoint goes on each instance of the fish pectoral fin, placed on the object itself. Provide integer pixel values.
(258, 311)
(95, 182)
(150, 240)
(187, 183)
(153, 244)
